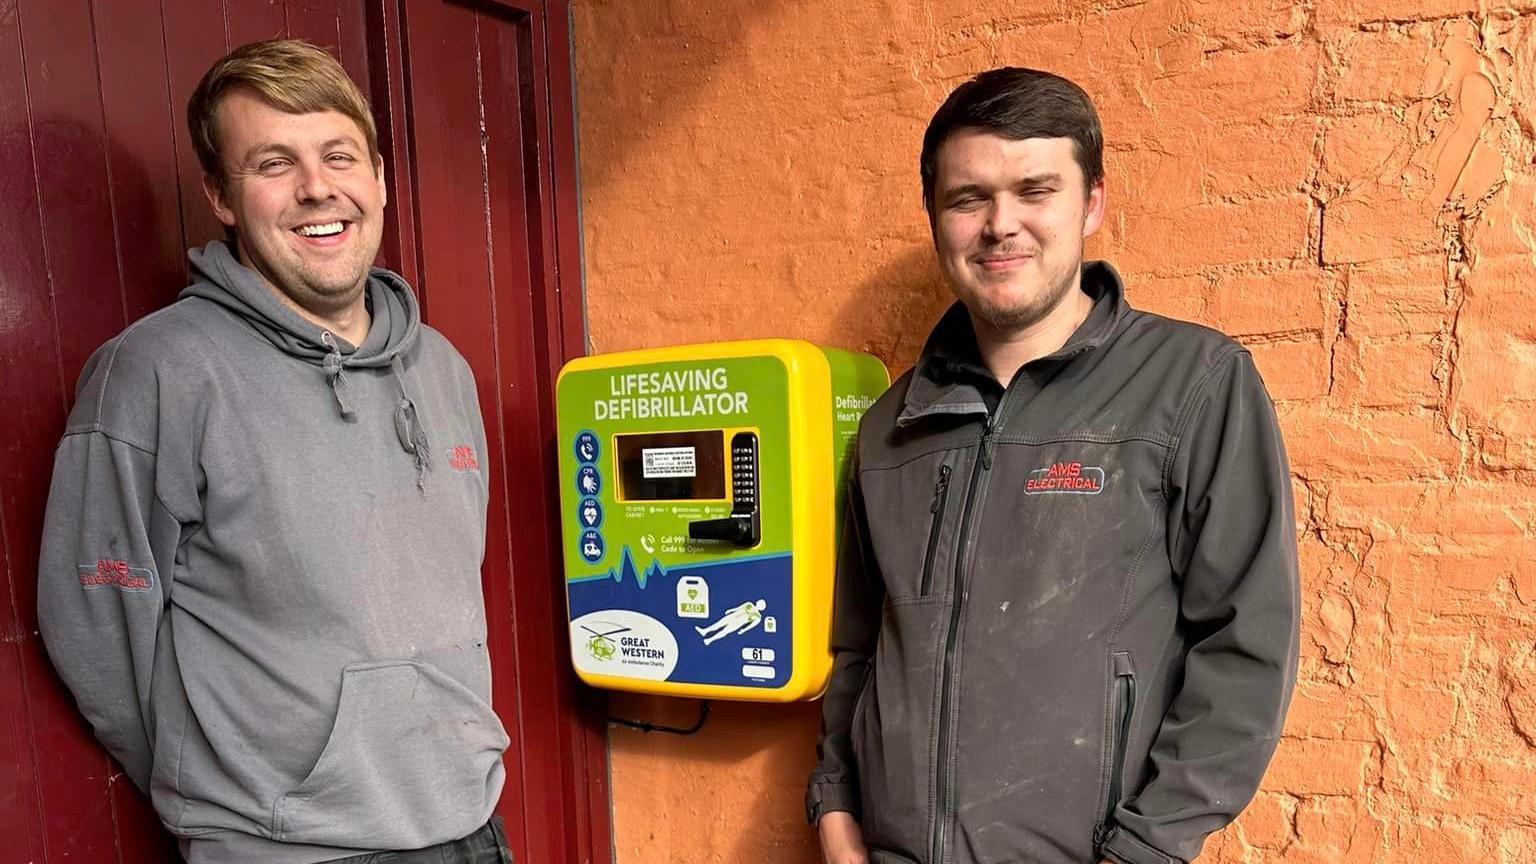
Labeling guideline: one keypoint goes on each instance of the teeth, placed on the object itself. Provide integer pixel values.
(325, 230)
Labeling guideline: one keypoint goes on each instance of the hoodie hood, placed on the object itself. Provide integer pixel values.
(217, 276)
(220, 277)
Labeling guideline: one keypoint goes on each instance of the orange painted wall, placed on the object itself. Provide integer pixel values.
(1348, 186)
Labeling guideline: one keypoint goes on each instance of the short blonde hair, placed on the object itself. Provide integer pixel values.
(289, 74)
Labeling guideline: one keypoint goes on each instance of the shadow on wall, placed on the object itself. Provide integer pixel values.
(661, 112)
(640, 98)
(109, 242)
(896, 307)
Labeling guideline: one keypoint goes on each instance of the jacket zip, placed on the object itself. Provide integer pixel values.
(1125, 707)
(940, 495)
(957, 600)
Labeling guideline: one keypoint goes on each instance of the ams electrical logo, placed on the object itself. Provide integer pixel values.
(1072, 478)
(115, 573)
(462, 458)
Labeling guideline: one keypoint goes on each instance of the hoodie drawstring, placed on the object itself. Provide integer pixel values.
(408, 426)
(335, 374)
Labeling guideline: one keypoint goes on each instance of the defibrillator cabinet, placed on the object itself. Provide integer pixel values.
(701, 499)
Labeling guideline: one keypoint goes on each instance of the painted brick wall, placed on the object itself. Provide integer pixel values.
(1347, 186)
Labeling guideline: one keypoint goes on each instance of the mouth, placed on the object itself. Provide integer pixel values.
(324, 233)
(998, 263)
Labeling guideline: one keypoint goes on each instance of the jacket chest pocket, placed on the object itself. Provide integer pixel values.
(913, 516)
(935, 527)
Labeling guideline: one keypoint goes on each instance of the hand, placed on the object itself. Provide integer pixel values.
(842, 841)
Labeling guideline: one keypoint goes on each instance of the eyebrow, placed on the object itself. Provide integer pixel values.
(285, 150)
(1042, 179)
(259, 150)
(1047, 179)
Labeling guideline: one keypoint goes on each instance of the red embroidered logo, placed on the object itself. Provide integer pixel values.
(113, 573)
(1073, 477)
(462, 458)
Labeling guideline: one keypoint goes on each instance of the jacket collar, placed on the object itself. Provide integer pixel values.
(949, 374)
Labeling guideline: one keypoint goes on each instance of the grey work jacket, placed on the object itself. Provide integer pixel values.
(1065, 628)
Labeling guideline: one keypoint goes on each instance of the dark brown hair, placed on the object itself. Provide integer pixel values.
(1016, 103)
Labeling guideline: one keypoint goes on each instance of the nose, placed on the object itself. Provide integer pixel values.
(314, 183)
(1004, 218)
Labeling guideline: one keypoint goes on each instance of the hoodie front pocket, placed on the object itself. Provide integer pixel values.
(414, 758)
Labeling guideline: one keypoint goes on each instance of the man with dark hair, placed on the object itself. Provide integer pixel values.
(1066, 620)
(260, 574)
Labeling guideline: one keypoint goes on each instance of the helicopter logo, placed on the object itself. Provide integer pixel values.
(600, 644)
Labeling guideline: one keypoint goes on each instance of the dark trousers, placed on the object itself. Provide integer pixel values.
(486, 846)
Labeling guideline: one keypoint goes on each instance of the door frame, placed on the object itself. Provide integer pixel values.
(583, 778)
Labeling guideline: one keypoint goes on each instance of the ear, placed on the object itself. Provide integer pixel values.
(1093, 216)
(378, 174)
(218, 200)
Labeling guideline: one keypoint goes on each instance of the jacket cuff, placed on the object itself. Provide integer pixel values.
(826, 797)
(1124, 847)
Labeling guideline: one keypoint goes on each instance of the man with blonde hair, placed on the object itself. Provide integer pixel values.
(260, 572)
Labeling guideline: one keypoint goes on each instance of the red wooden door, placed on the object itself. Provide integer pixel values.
(490, 145)
(99, 198)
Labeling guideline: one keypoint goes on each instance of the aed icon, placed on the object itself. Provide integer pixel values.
(591, 513)
(692, 597)
(715, 473)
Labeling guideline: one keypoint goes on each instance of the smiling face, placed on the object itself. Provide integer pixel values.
(1009, 220)
(302, 198)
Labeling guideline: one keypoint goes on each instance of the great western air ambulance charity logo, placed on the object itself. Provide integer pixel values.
(1073, 478)
(600, 641)
(625, 643)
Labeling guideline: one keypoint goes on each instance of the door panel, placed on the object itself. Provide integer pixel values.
(253, 20)
(485, 224)
(459, 286)
(30, 381)
(65, 286)
(141, 152)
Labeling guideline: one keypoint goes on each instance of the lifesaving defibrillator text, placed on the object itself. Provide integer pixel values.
(675, 393)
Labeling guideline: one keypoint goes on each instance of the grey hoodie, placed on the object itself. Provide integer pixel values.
(260, 574)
